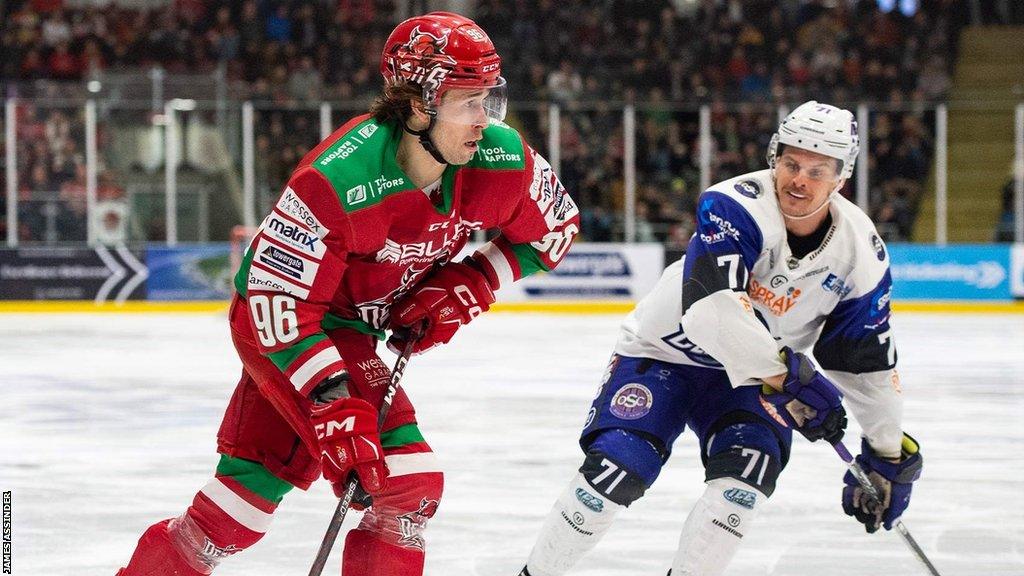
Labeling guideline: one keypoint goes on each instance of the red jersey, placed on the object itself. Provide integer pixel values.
(350, 234)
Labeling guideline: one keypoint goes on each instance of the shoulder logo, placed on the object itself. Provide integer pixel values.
(356, 195)
(749, 188)
(367, 131)
(876, 243)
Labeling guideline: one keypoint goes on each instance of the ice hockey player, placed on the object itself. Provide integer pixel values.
(780, 265)
(362, 240)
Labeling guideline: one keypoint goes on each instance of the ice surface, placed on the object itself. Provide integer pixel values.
(107, 424)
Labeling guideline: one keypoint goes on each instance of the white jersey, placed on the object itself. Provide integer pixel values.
(739, 295)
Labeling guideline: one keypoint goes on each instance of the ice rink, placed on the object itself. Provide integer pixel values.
(107, 424)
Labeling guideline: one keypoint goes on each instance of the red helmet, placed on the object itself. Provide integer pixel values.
(438, 51)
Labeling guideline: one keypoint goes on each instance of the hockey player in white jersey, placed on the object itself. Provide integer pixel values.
(780, 266)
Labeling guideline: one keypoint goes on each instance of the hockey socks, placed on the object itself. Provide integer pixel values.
(715, 528)
(578, 520)
(231, 513)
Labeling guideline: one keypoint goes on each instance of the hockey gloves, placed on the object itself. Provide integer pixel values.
(446, 300)
(809, 402)
(350, 442)
(893, 480)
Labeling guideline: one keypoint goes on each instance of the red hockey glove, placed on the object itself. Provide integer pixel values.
(350, 441)
(445, 301)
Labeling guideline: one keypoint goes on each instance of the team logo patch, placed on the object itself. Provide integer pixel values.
(876, 243)
(412, 524)
(744, 498)
(632, 402)
(749, 188)
(589, 500)
(356, 195)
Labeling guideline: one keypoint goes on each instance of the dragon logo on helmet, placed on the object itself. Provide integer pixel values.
(426, 46)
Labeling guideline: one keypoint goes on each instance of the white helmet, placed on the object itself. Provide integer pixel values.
(820, 128)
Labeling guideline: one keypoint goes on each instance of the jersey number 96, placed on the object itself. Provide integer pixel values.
(274, 318)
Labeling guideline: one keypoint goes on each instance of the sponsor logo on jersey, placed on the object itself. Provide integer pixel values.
(880, 302)
(834, 283)
(367, 131)
(280, 260)
(374, 371)
(876, 243)
(344, 150)
(549, 194)
(291, 265)
(356, 195)
(427, 252)
(383, 185)
(814, 272)
(291, 205)
(589, 500)
(749, 188)
(293, 235)
(777, 304)
(709, 220)
(261, 280)
(740, 497)
(778, 280)
(632, 402)
(591, 414)
(770, 409)
(679, 341)
(498, 154)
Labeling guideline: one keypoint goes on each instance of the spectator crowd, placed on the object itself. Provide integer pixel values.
(744, 59)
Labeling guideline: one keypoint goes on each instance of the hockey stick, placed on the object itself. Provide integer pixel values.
(350, 487)
(875, 500)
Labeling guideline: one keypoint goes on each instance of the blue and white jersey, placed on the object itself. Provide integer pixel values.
(739, 295)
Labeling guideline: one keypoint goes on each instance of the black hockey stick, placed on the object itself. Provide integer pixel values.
(875, 499)
(350, 487)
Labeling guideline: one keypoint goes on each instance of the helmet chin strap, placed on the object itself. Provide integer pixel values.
(425, 141)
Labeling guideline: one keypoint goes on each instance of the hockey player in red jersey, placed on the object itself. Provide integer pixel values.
(361, 241)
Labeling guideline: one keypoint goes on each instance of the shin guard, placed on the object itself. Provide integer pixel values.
(715, 528)
(578, 520)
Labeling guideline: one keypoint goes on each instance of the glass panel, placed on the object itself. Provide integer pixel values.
(282, 137)
(591, 148)
(901, 173)
(3, 173)
(667, 172)
(51, 173)
(130, 148)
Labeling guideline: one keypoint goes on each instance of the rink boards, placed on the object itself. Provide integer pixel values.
(592, 279)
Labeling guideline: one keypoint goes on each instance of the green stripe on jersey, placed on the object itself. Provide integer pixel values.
(254, 477)
(500, 149)
(401, 436)
(333, 321)
(283, 358)
(529, 260)
(242, 276)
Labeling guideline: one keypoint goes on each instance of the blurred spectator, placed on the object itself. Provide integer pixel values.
(588, 56)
